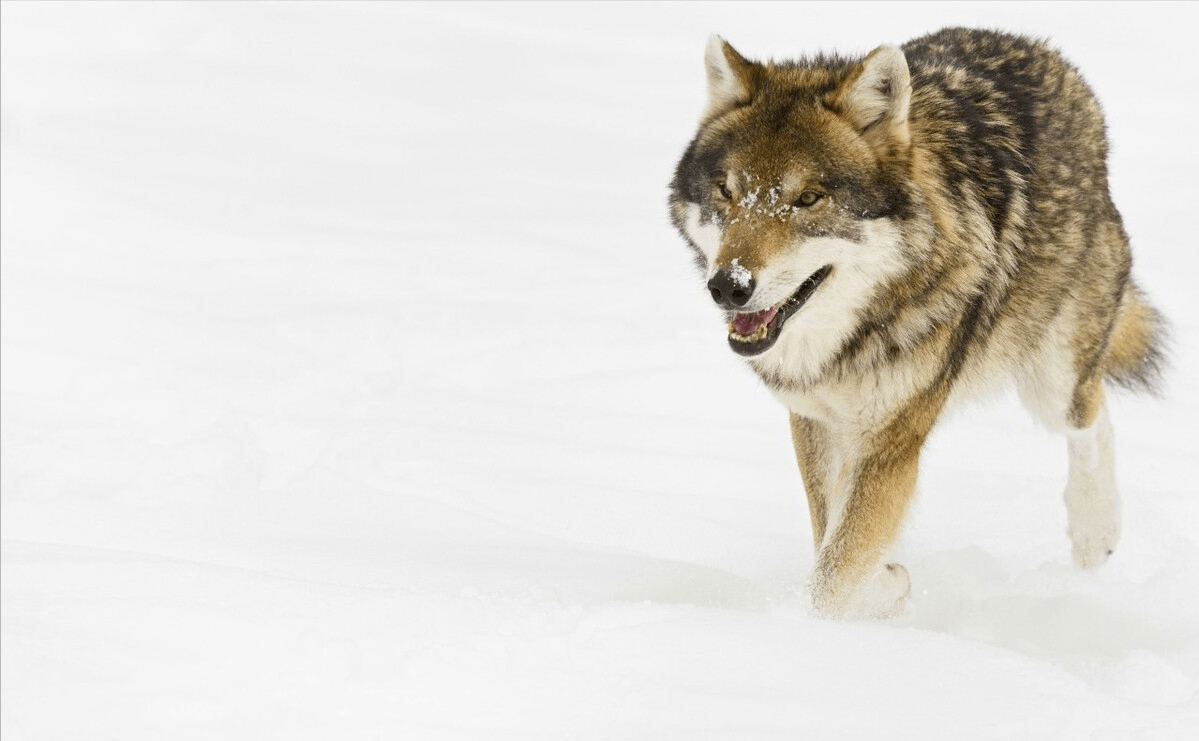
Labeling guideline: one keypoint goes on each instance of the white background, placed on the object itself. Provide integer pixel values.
(355, 386)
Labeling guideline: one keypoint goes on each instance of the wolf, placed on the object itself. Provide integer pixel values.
(893, 234)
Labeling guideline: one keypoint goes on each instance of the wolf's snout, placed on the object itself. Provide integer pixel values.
(731, 288)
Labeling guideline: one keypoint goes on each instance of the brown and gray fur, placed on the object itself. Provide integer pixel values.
(957, 189)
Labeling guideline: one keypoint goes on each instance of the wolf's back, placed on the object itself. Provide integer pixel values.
(1015, 130)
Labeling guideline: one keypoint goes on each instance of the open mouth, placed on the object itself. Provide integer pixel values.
(755, 333)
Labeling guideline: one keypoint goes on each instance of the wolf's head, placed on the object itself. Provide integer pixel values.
(792, 193)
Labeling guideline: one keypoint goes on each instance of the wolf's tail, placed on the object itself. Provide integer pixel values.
(1136, 357)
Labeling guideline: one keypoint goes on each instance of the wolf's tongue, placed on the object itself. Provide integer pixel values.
(747, 324)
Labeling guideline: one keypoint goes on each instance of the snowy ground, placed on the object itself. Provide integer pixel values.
(356, 387)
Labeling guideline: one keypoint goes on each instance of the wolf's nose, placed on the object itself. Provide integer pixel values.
(731, 289)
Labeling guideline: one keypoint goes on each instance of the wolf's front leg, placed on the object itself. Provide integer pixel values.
(815, 455)
(850, 579)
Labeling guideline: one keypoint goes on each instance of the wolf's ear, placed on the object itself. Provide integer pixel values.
(730, 77)
(876, 96)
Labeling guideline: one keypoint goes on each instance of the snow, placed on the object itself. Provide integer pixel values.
(329, 409)
(739, 274)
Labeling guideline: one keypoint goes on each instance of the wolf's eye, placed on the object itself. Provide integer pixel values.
(807, 199)
(723, 189)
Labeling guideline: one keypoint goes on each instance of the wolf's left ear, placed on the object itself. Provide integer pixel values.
(876, 96)
(730, 78)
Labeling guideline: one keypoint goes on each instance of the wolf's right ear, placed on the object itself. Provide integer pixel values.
(730, 78)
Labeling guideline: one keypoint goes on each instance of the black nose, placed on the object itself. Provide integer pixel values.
(731, 289)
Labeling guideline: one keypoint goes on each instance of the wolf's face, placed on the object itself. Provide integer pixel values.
(790, 193)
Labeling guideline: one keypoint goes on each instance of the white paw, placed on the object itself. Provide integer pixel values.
(1094, 524)
(883, 594)
(1092, 547)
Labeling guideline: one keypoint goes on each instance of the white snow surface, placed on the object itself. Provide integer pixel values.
(331, 408)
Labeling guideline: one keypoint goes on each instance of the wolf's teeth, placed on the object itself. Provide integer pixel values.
(755, 337)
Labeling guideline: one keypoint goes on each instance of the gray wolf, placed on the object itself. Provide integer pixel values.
(890, 235)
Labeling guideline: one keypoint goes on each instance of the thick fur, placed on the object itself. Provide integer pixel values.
(957, 189)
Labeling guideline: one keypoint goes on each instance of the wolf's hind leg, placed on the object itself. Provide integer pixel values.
(1092, 502)
(1077, 407)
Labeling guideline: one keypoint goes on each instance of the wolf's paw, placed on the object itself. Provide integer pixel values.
(883, 594)
(1092, 547)
(1094, 524)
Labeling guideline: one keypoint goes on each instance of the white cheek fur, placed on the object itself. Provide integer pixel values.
(706, 237)
(818, 331)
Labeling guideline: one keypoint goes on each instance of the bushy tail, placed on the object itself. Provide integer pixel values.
(1136, 357)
